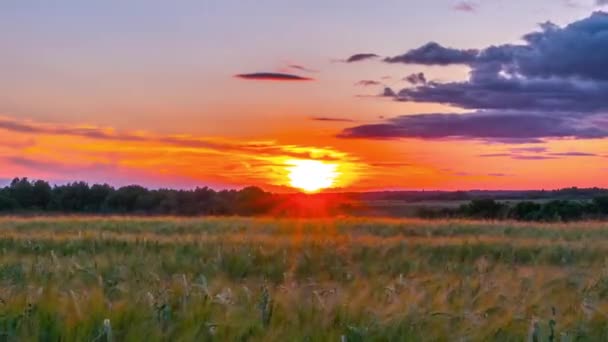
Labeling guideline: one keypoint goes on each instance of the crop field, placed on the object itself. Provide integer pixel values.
(266, 279)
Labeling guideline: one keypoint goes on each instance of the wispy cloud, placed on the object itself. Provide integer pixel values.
(331, 119)
(301, 68)
(536, 153)
(359, 57)
(367, 83)
(465, 6)
(60, 150)
(272, 76)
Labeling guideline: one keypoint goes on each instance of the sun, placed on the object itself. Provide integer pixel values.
(311, 175)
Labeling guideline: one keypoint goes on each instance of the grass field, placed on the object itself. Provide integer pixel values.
(347, 279)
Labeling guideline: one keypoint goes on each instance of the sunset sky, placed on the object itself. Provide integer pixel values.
(396, 94)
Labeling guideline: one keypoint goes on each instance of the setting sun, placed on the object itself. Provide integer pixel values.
(311, 175)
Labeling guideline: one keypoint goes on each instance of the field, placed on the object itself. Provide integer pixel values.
(263, 279)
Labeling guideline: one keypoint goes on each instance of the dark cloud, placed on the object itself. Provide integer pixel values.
(435, 54)
(513, 94)
(553, 85)
(531, 157)
(416, 78)
(388, 92)
(366, 83)
(574, 154)
(301, 68)
(272, 76)
(555, 69)
(486, 125)
(465, 6)
(538, 153)
(331, 119)
(516, 156)
(534, 149)
(361, 57)
(601, 2)
(494, 155)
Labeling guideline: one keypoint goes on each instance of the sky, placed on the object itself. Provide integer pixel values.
(396, 94)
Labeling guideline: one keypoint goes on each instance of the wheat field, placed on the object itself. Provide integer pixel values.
(268, 279)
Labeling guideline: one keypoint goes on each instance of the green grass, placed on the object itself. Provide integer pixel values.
(169, 279)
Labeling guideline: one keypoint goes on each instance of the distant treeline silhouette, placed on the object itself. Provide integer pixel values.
(24, 196)
(550, 211)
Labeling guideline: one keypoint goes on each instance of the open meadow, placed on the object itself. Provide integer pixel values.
(344, 279)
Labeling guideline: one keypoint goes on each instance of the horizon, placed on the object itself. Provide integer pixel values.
(293, 191)
(462, 96)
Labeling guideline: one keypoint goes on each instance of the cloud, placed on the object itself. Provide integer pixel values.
(90, 152)
(361, 57)
(416, 78)
(184, 141)
(465, 6)
(434, 54)
(301, 68)
(556, 69)
(552, 85)
(485, 125)
(494, 155)
(388, 92)
(536, 153)
(574, 154)
(531, 157)
(330, 119)
(535, 149)
(601, 2)
(367, 83)
(272, 76)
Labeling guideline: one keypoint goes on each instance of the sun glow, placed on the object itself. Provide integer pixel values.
(311, 175)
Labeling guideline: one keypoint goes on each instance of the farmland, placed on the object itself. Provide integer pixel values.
(354, 279)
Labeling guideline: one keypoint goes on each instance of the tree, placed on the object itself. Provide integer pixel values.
(601, 204)
(483, 208)
(526, 210)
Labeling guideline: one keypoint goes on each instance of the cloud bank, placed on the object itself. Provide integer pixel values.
(553, 85)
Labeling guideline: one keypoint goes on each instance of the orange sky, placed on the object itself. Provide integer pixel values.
(229, 93)
(69, 152)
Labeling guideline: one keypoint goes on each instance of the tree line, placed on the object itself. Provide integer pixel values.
(38, 196)
(24, 195)
(549, 210)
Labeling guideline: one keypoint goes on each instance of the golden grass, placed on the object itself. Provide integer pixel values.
(165, 278)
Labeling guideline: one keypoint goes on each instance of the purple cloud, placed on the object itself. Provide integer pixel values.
(553, 85)
(416, 78)
(272, 76)
(574, 154)
(486, 125)
(556, 69)
(361, 57)
(301, 68)
(434, 54)
(465, 6)
(331, 119)
(367, 83)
